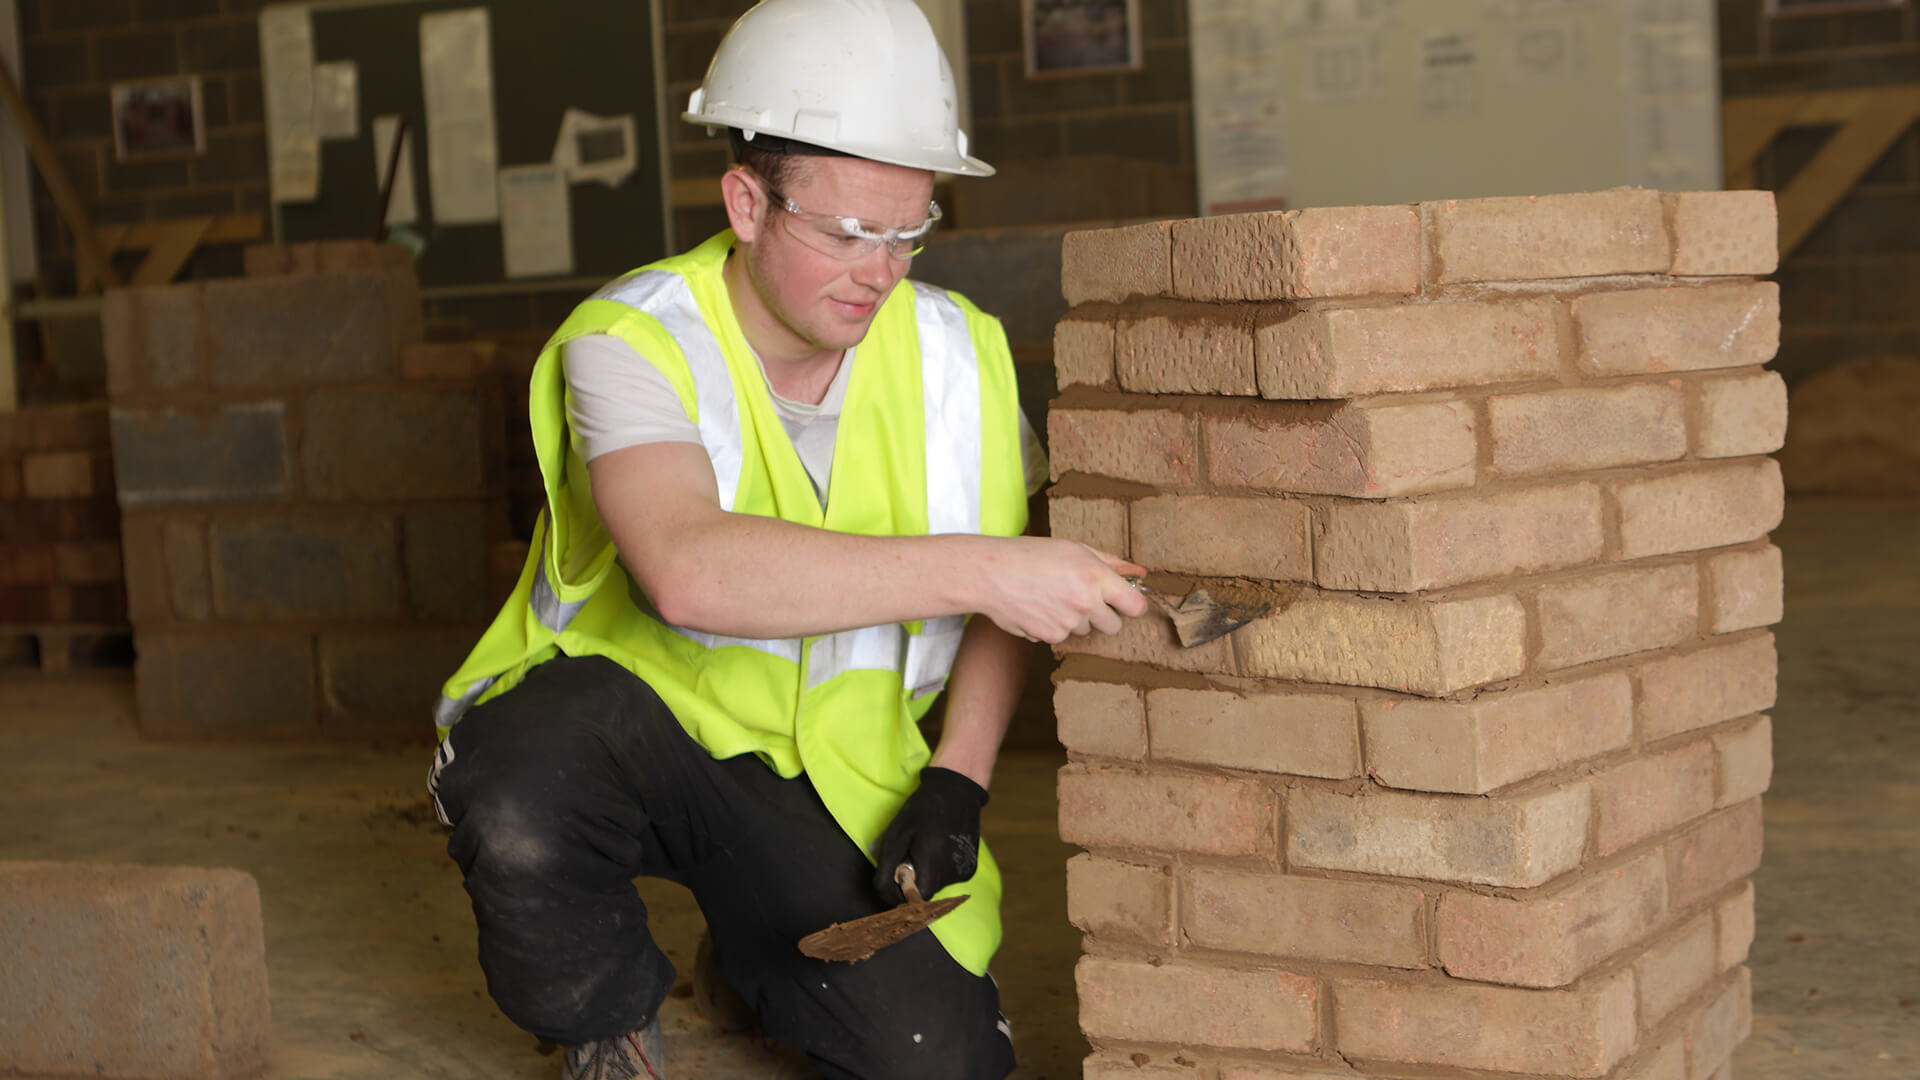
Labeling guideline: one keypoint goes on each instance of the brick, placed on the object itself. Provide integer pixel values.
(1101, 719)
(1615, 613)
(1434, 543)
(445, 552)
(335, 567)
(50, 520)
(265, 260)
(1083, 349)
(1349, 352)
(1713, 854)
(189, 580)
(1496, 739)
(1100, 524)
(1223, 537)
(1550, 939)
(1745, 590)
(1721, 1026)
(1707, 507)
(1210, 815)
(1582, 1032)
(1115, 264)
(1117, 900)
(1741, 414)
(235, 453)
(1559, 431)
(384, 683)
(354, 438)
(1652, 795)
(32, 428)
(1292, 733)
(1668, 1061)
(151, 971)
(1151, 446)
(1269, 914)
(1685, 328)
(146, 571)
(155, 337)
(1196, 1006)
(102, 603)
(12, 485)
(91, 562)
(1150, 640)
(1362, 451)
(62, 474)
(1743, 762)
(1733, 922)
(1303, 254)
(1233, 1071)
(1517, 842)
(1529, 237)
(26, 564)
(448, 359)
(27, 603)
(1674, 969)
(308, 329)
(238, 683)
(1723, 233)
(1415, 646)
(1169, 348)
(1706, 686)
(1124, 1067)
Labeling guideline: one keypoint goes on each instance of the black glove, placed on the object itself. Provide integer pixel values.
(937, 830)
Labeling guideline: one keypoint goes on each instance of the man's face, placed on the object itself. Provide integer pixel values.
(824, 300)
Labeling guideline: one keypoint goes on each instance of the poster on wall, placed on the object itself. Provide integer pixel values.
(1080, 37)
(1238, 90)
(536, 221)
(286, 70)
(463, 154)
(157, 118)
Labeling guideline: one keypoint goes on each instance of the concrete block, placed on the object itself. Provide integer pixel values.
(155, 338)
(1580, 1032)
(445, 552)
(309, 328)
(132, 971)
(394, 443)
(305, 568)
(189, 578)
(1298, 254)
(1552, 937)
(1531, 237)
(236, 452)
(1360, 451)
(1197, 1006)
(384, 683)
(225, 684)
(1270, 914)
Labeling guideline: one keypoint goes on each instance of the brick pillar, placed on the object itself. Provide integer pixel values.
(1481, 795)
(308, 495)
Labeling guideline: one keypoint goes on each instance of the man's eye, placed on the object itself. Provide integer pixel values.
(843, 240)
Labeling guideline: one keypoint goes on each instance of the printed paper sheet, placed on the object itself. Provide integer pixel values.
(536, 221)
(596, 147)
(456, 68)
(336, 100)
(1237, 104)
(286, 69)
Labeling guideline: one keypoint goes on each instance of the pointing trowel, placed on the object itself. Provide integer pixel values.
(860, 938)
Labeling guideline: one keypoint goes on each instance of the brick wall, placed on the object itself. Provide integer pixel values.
(1481, 793)
(62, 604)
(311, 497)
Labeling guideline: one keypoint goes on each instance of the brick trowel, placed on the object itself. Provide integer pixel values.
(1199, 618)
(857, 939)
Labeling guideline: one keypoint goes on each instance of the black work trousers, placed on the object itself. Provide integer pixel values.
(564, 789)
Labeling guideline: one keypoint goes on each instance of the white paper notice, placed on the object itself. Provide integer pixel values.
(402, 207)
(1668, 70)
(1544, 51)
(286, 69)
(336, 100)
(456, 69)
(1341, 68)
(536, 221)
(1238, 104)
(1447, 78)
(596, 147)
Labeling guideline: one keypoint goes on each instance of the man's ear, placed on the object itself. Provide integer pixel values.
(745, 202)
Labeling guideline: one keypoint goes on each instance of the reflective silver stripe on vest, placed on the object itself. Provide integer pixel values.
(553, 612)
(447, 711)
(868, 648)
(950, 396)
(668, 298)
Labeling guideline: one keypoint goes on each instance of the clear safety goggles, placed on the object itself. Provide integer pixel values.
(850, 238)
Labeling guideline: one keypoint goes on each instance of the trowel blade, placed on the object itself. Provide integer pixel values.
(1200, 618)
(857, 939)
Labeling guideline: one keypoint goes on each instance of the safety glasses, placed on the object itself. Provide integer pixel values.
(850, 239)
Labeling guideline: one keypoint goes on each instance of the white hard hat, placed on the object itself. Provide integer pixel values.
(864, 77)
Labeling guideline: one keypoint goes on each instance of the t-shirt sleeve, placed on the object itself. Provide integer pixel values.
(1033, 457)
(617, 399)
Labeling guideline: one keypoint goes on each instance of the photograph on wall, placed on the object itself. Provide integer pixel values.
(1074, 37)
(158, 118)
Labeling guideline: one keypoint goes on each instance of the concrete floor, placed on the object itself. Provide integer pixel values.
(369, 939)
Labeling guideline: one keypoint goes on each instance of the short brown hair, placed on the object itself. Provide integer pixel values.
(774, 159)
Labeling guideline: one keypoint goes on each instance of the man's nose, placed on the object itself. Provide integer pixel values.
(879, 270)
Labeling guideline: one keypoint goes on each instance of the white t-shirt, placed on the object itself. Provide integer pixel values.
(618, 400)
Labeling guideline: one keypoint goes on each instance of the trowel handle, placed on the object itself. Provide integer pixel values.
(903, 877)
(1141, 586)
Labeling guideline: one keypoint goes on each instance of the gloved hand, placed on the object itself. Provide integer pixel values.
(937, 830)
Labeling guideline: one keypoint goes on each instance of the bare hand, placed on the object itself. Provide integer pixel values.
(1050, 589)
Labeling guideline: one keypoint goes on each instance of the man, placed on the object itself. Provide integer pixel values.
(780, 478)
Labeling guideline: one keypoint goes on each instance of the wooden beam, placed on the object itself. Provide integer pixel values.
(93, 260)
(171, 250)
(1867, 134)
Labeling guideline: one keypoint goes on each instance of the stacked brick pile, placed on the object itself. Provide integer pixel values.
(1481, 796)
(308, 494)
(61, 600)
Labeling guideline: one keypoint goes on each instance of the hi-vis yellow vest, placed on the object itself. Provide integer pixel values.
(928, 442)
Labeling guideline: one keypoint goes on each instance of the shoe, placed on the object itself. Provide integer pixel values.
(633, 1056)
